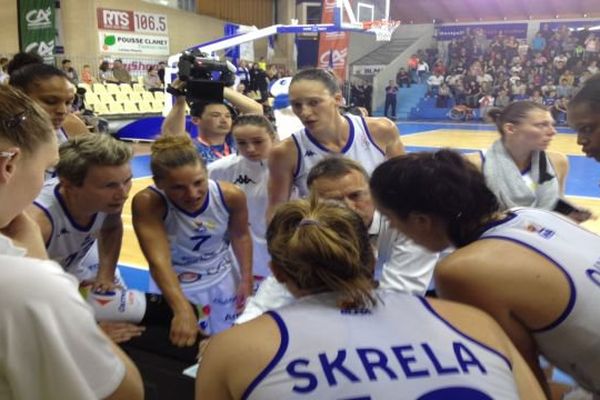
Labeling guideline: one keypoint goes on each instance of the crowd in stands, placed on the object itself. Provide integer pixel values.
(478, 72)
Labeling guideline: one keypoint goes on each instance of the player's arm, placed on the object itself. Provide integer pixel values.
(131, 387)
(478, 280)
(148, 208)
(239, 234)
(74, 126)
(386, 135)
(109, 248)
(282, 163)
(242, 102)
(174, 123)
(560, 162)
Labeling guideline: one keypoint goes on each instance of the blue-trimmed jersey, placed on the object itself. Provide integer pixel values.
(399, 349)
(572, 342)
(200, 251)
(69, 242)
(252, 178)
(360, 147)
(61, 137)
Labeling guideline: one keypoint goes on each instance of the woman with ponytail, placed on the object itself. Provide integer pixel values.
(536, 272)
(344, 338)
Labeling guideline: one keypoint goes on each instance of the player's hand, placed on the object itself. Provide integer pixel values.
(243, 292)
(184, 328)
(104, 285)
(120, 332)
(581, 215)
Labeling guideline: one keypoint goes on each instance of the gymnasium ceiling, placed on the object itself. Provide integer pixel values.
(425, 11)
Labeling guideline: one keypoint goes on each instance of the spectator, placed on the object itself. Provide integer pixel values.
(472, 93)
(3, 74)
(564, 89)
(86, 75)
(390, 99)
(559, 110)
(433, 84)
(243, 74)
(403, 78)
(593, 67)
(486, 103)
(105, 74)
(413, 63)
(536, 97)
(502, 100)
(120, 73)
(539, 43)
(442, 96)
(422, 71)
(262, 64)
(591, 46)
(70, 72)
(152, 81)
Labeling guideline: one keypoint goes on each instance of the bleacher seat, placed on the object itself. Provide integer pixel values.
(157, 106)
(146, 106)
(91, 98)
(105, 98)
(112, 89)
(126, 88)
(147, 96)
(122, 97)
(116, 108)
(85, 86)
(130, 108)
(99, 88)
(136, 97)
(138, 88)
(100, 108)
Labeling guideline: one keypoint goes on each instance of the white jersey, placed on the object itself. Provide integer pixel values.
(69, 243)
(252, 177)
(360, 147)
(571, 342)
(375, 354)
(61, 137)
(200, 251)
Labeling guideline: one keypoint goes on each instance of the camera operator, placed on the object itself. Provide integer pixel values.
(213, 120)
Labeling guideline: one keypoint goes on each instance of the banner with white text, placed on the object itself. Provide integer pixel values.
(37, 27)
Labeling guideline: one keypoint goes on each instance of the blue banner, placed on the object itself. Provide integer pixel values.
(233, 53)
(575, 25)
(450, 32)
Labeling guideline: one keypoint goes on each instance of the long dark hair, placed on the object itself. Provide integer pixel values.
(443, 184)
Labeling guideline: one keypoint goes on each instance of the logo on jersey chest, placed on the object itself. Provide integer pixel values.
(243, 180)
(309, 153)
(540, 230)
(203, 225)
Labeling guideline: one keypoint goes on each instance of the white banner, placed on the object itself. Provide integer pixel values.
(131, 43)
(367, 69)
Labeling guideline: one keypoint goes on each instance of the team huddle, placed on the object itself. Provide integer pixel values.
(307, 267)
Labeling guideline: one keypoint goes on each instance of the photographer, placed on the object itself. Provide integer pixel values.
(212, 117)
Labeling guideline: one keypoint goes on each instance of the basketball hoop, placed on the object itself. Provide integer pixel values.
(383, 29)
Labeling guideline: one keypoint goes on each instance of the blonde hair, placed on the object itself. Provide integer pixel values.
(23, 123)
(80, 153)
(324, 246)
(172, 151)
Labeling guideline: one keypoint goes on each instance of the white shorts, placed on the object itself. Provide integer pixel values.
(217, 305)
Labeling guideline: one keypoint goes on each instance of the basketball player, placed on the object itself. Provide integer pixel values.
(51, 347)
(401, 264)
(315, 97)
(185, 225)
(345, 339)
(534, 271)
(79, 212)
(254, 137)
(584, 116)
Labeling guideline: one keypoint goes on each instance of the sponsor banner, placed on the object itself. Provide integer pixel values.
(367, 69)
(131, 43)
(37, 27)
(449, 32)
(333, 46)
(574, 25)
(131, 21)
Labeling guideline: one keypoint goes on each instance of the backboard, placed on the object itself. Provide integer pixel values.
(350, 13)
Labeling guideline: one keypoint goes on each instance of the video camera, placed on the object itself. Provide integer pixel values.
(205, 77)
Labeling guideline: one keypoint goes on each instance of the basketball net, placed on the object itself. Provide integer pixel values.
(383, 29)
